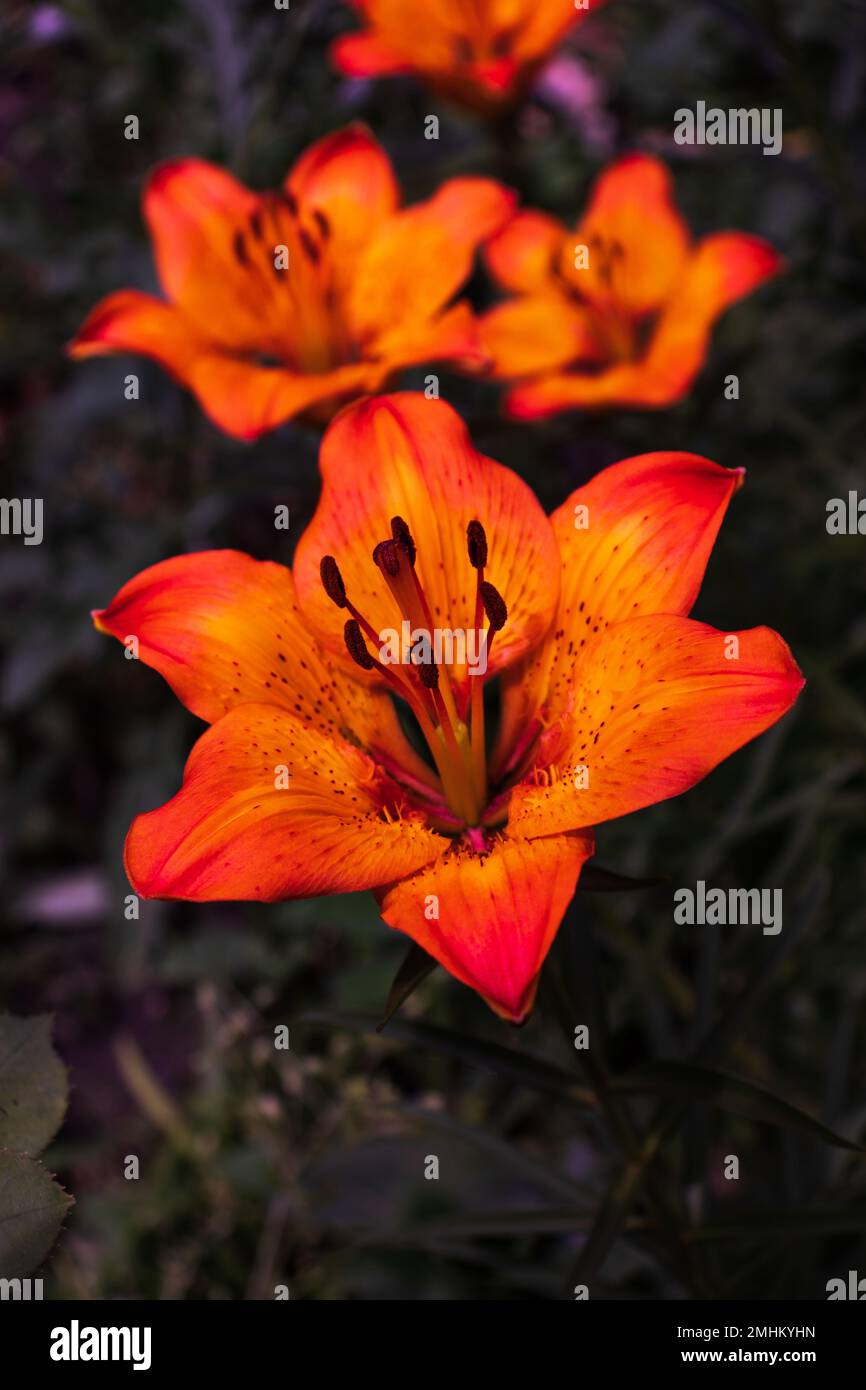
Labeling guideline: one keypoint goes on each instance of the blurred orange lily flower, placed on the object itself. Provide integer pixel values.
(288, 303)
(482, 54)
(618, 312)
(305, 782)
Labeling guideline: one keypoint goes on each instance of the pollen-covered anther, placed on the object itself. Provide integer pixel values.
(356, 646)
(403, 536)
(494, 606)
(332, 580)
(476, 542)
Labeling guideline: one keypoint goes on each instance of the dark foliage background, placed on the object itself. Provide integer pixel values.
(306, 1167)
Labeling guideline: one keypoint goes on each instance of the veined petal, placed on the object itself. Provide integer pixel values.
(658, 702)
(404, 455)
(636, 239)
(272, 808)
(496, 914)
(418, 260)
(225, 630)
(194, 211)
(537, 333)
(523, 255)
(634, 540)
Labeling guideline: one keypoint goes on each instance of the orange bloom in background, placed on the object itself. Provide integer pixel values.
(305, 783)
(619, 311)
(482, 53)
(292, 302)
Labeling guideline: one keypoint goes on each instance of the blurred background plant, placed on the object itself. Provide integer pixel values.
(305, 1167)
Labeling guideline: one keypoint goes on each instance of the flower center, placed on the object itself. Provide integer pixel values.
(289, 258)
(418, 671)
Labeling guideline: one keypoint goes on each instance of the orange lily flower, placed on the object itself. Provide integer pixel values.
(618, 312)
(288, 303)
(481, 53)
(305, 783)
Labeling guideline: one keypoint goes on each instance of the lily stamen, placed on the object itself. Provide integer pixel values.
(476, 542)
(395, 559)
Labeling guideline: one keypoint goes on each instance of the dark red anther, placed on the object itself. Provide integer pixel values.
(240, 248)
(332, 580)
(476, 540)
(322, 223)
(403, 536)
(357, 647)
(494, 606)
(309, 245)
(387, 556)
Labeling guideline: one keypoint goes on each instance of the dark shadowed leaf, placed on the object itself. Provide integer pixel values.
(729, 1093)
(514, 1066)
(596, 879)
(32, 1084)
(32, 1208)
(417, 965)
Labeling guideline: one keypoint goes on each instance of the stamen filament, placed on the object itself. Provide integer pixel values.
(476, 711)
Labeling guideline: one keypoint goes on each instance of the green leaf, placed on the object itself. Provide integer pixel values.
(33, 1088)
(729, 1093)
(516, 1067)
(32, 1208)
(417, 965)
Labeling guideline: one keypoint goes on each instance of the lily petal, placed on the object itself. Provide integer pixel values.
(453, 336)
(496, 914)
(523, 256)
(537, 333)
(658, 702)
(194, 210)
(722, 269)
(418, 260)
(404, 455)
(634, 540)
(349, 180)
(225, 630)
(129, 321)
(628, 383)
(234, 832)
(244, 400)
(367, 55)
